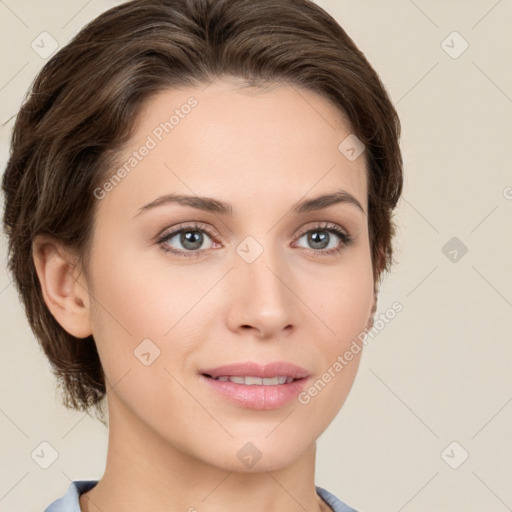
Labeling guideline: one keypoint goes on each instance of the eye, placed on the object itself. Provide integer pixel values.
(326, 239)
(193, 240)
(188, 241)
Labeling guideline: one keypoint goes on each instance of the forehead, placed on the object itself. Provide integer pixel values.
(203, 139)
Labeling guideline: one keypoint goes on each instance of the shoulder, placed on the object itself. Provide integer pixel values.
(335, 503)
(70, 502)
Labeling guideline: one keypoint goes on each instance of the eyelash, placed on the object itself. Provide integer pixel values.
(346, 239)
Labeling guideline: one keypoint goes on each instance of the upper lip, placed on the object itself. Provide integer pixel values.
(252, 369)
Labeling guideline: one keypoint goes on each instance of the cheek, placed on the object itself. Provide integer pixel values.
(138, 294)
(140, 350)
(137, 299)
(344, 304)
(344, 297)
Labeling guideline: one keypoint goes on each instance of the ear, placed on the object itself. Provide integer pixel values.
(369, 325)
(65, 292)
(381, 259)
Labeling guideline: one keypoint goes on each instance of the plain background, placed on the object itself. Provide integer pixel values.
(439, 372)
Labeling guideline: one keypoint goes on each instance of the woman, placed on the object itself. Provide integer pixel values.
(199, 205)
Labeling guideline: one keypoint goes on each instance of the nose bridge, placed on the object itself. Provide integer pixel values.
(263, 275)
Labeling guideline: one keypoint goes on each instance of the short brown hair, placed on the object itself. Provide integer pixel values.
(82, 107)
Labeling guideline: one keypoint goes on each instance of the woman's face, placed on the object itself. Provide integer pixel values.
(183, 287)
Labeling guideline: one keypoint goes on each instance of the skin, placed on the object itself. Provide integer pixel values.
(173, 442)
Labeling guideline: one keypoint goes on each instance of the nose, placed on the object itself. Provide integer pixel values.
(262, 301)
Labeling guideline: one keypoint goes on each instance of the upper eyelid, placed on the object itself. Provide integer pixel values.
(204, 227)
(325, 225)
(166, 233)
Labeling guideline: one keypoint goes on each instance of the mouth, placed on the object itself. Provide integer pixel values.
(253, 380)
(251, 373)
(254, 386)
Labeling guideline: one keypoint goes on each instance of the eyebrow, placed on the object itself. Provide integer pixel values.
(209, 204)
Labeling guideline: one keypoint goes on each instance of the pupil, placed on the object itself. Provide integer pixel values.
(318, 241)
(191, 239)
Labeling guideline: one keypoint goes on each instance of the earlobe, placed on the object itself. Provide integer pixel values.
(64, 291)
(371, 319)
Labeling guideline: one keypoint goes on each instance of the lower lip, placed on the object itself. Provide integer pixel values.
(257, 396)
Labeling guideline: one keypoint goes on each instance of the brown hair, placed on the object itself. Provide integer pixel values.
(83, 104)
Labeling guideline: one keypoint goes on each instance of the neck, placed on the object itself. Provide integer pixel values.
(146, 472)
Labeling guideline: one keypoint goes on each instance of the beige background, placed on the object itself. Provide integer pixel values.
(440, 371)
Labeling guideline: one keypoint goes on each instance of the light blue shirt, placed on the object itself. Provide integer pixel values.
(69, 502)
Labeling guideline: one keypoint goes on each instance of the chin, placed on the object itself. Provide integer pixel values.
(257, 455)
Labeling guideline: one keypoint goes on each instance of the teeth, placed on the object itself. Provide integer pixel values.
(251, 381)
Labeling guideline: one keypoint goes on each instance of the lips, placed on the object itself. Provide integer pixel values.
(253, 386)
(252, 369)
